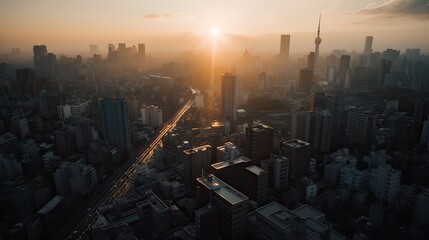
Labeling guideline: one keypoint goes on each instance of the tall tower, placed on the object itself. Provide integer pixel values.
(284, 49)
(115, 121)
(229, 96)
(317, 41)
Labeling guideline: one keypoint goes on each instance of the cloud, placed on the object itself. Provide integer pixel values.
(169, 14)
(415, 9)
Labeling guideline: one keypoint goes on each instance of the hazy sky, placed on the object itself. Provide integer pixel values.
(178, 25)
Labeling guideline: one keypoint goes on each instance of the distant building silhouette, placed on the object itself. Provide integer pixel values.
(229, 96)
(284, 50)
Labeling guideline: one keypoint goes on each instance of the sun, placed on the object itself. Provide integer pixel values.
(215, 31)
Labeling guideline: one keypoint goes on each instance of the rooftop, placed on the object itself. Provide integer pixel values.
(50, 205)
(222, 189)
(224, 164)
(296, 143)
(256, 170)
(197, 149)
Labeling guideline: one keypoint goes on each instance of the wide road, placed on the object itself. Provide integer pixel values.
(117, 184)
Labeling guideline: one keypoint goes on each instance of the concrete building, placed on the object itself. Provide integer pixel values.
(83, 178)
(20, 125)
(259, 142)
(335, 162)
(229, 96)
(280, 166)
(64, 112)
(10, 168)
(360, 126)
(9, 145)
(195, 160)
(321, 130)
(274, 221)
(384, 183)
(115, 121)
(61, 178)
(352, 177)
(151, 116)
(227, 152)
(298, 152)
(231, 204)
(206, 222)
(232, 172)
(256, 186)
(300, 125)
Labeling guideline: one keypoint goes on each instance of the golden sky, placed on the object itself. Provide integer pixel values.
(179, 25)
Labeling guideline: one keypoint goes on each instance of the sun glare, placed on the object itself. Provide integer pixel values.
(215, 31)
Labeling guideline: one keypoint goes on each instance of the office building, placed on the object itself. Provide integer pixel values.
(195, 160)
(151, 116)
(61, 178)
(65, 141)
(9, 145)
(10, 168)
(311, 59)
(274, 221)
(20, 126)
(232, 172)
(227, 152)
(321, 130)
(298, 152)
(384, 183)
(284, 50)
(64, 112)
(229, 96)
(115, 121)
(83, 178)
(300, 123)
(256, 186)
(352, 177)
(231, 204)
(280, 170)
(421, 210)
(53, 215)
(305, 80)
(367, 50)
(259, 142)
(360, 126)
(206, 222)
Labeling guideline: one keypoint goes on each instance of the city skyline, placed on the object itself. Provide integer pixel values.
(394, 24)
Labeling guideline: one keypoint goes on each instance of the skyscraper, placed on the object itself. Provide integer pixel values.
(284, 49)
(317, 41)
(259, 142)
(360, 126)
(229, 96)
(305, 80)
(195, 159)
(115, 120)
(367, 50)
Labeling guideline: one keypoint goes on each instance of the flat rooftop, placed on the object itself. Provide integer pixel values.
(55, 201)
(197, 149)
(222, 189)
(259, 127)
(256, 170)
(225, 164)
(296, 143)
(306, 211)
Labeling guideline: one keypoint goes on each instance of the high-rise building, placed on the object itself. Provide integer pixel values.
(384, 183)
(360, 126)
(352, 177)
(142, 49)
(151, 116)
(206, 222)
(311, 60)
(298, 152)
(305, 80)
(195, 160)
(61, 178)
(344, 63)
(256, 185)
(64, 112)
(321, 130)
(115, 121)
(300, 125)
(259, 142)
(10, 168)
(229, 96)
(231, 204)
(284, 49)
(280, 168)
(385, 68)
(83, 178)
(317, 42)
(20, 125)
(65, 141)
(9, 145)
(367, 50)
